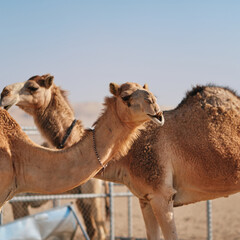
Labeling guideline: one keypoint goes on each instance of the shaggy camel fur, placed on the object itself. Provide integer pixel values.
(27, 167)
(193, 157)
(53, 116)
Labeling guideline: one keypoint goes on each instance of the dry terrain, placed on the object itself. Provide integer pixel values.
(190, 220)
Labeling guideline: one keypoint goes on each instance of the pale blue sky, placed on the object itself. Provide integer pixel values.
(171, 45)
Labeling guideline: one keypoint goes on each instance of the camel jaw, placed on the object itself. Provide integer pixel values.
(8, 104)
(158, 118)
(7, 107)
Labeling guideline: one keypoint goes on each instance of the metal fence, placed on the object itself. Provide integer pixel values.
(36, 201)
(111, 195)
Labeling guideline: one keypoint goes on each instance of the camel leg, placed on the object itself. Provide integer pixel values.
(97, 207)
(97, 215)
(20, 209)
(94, 219)
(151, 224)
(107, 200)
(162, 206)
(85, 210)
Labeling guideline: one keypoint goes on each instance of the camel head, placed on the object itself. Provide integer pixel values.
(135, 103)
(34, 93)
(10, 95)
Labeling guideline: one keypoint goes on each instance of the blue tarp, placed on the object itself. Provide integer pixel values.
(56, 224)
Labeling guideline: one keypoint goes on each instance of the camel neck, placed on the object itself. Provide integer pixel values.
(54, 121)
(109, 127)
(49, 171)
(67, 134)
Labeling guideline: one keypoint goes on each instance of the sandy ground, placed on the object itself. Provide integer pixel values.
(191, 220)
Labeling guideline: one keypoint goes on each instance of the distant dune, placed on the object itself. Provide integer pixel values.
(87, 112)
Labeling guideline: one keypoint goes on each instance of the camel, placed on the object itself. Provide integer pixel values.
(193, 157)
(28, 167)
(55, 119)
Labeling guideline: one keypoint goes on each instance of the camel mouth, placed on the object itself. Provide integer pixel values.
(157, 118)
(7, 107)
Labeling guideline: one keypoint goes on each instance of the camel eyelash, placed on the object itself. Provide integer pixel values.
(126, 98)
(32, 89)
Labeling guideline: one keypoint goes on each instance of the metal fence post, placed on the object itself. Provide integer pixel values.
(79, 223)
(209, 220)
(129, 216)
(111, 200)
(56, 202)
(1, 217)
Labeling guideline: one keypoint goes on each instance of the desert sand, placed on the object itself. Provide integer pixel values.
(191, 220)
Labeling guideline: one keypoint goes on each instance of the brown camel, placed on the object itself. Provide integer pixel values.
(193, 157)
(54, 118)
(27, 167)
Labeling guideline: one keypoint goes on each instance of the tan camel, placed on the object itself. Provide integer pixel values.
(55, 119)
(193, 157)
(27, 167)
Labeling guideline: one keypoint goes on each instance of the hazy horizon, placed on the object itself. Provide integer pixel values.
(171, 45)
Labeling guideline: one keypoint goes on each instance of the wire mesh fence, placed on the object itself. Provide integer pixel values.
(96, 203)
(102, 222)
(92, 209)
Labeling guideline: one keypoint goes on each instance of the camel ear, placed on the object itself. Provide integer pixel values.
(114, 89)
(145, 86)
(48, 81)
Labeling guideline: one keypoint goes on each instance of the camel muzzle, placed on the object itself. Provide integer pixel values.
(158, 118)
(7, 107)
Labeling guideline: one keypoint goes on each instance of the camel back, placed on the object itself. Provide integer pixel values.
(214, 95)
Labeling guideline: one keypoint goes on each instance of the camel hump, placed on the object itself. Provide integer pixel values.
(7, 122)
(211, 96)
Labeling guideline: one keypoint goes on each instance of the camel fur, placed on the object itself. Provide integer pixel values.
(193, 157)
(53, 119)
(27, 167)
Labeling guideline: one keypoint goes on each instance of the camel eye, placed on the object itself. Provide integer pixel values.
(148, 100)
(5, 92)
(32, 89)
(126, 98)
